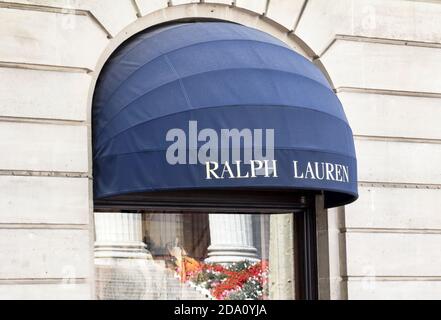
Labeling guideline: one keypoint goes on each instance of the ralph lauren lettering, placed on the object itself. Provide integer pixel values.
(268, 169)
(264, 168)
(321, 171)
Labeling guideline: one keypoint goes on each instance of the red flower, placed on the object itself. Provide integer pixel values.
(232, 281)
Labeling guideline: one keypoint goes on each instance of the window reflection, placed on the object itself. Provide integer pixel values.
(194, 256)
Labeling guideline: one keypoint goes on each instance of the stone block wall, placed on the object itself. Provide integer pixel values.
(383, 58)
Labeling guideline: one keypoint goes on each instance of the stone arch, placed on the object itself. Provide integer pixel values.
(195, 12)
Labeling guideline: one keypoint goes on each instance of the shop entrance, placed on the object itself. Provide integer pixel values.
(207, 245)
(211, 144)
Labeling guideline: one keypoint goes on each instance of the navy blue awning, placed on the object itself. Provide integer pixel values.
(168, 99)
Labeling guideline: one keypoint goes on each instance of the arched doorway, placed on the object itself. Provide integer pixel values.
(211, 143)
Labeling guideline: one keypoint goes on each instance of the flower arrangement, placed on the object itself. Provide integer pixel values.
(243, 280)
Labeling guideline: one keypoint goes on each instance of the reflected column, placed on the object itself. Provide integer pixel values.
(124, 269)
(231, 238)
(119, 236)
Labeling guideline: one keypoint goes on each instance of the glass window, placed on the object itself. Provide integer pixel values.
(172, 254)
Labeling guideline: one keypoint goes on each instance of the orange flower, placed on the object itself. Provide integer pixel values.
(188, 267)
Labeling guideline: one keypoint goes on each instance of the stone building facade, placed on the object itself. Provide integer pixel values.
(382, 57)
